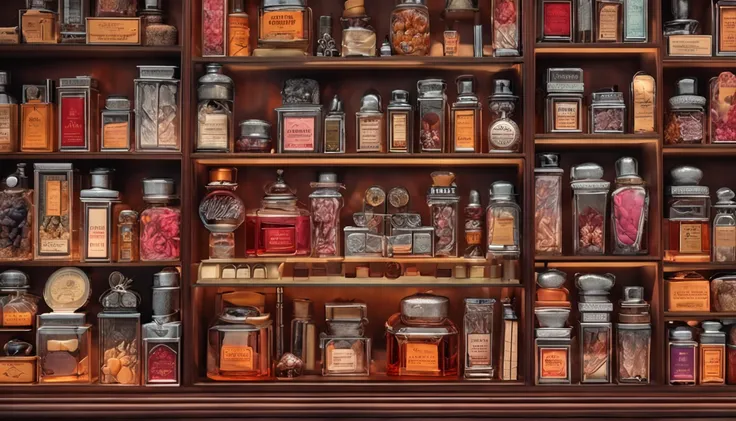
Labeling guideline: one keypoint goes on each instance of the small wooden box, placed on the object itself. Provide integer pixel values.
(18, 370)
(688, 295)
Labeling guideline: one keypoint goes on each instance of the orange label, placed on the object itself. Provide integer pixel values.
(566, 116)
(691, 45)
(399, 130)
(503, 232)
(452, 42)
(114, 31)
(553, 364)
(473, 237)
(17, 318)
(713, 362)
(465, 130)
(689, 295)
(115, 136)
(34, 131)
(53, 198)
(282, 26)
(727, 27)
(643, 104)
(422, 357)
(18, 371)
(691, 238)
(239, 36)
(236, 358)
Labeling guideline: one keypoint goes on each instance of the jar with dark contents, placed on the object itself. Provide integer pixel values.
(116, 8)
(16, 217)
(410, 33)
(155, 31)
(326, 202)
(255, 136)
(160, 224)
(686, 120)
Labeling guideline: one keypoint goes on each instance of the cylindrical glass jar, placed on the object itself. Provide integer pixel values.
(548, 205)
(502, 220)
(128, 236)
(325, 204)
(16, 218)
(589, 209)
(160, 229)
(410, 33)
(255, 136)
(222, 212)
(215, 110)
(630, 203)
(686, 120)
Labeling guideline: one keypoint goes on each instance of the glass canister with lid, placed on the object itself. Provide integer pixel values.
(724, 227)
(410, 34)
(443, 201)
(16, 217)
(686, 225)
(346, 349)
(502, 221)
(325, 204)
(548, 205)
(630, 208)
(17, 307)
(239, 345)
(215, 110)
(589, 209)
(222, 212)
(433, 114)
(686, 120)
(255, 136)
(160, 222)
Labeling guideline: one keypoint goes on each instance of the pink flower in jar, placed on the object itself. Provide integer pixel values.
(506, 12)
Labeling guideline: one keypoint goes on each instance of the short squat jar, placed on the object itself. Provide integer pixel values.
(255, 136)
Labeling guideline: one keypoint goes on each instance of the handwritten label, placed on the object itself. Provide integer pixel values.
(727, 28)
(690, 45)
(114, 31)
(422, 357)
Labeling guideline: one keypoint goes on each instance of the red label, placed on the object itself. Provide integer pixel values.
(557, 19)
(72, 122)
(162, 364)
(281, 240)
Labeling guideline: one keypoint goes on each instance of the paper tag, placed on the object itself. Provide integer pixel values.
(236, 358)
(114, 31)
(422, 357)
(503, 232)
(342, 361)
(643, 88)
(688, 295)
(690, 45)
(97, 233)
(691, 238)
(370, 131)
(566, 116)
(727, 29)
(608, 22)
(465, 130)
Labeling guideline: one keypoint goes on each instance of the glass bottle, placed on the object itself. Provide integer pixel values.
(478, 330)
(16, 217)
(215, 110)
(564, 101)
(722, 106)
(503, 132)
(222, 212)
(155, 31)
(128, 236)
(644, 103)
(78, 114)
(502, 221)
(712, 354)
(285, 24)
(55, 212)
(37, 113)
(443, 202)
(548, 205)
(160, 229)
(725, 33)
(100, 211)
(432, 108)
(630, 209)
(73, 16)
(326, 44)
(509, 342)
(596, 330)
(325, 204)
(8, 117)
(239, 345)
(116, 121)
(557, 21)
(157, 109)
(589, 209)
(116, 8)
(634, 338)
(552, 346)
(474, 226)
(506, 28)
(162, 353)
(17, 307)
(358, 36)
(682, 357)
(370, 125)
(410, 18)
(636, 20)
(607, 111)
(39, 24)
(334, 137)
(724, 227)
(465, 117)
(686, 119)
(238, 30)
(281, 226)
(214, 28)
(422, 340)
(255, 136)
(687, 224)
(120, 333)
(400, 113)
(299, 117)
(346, 349)
(304, 334)
(609, 20)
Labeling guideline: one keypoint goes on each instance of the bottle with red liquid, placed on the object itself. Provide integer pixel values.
(281, 226)
(630, 205)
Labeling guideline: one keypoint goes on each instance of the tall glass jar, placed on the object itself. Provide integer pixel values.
(589, 208)
(548, 205)
(422, 340)
(325, 204)
(634, 338)
(215, 110)
(502, 220)
(686, 120)
(478, 331)
(724, 227)
(160, 231)
(410, 33)
(443, 202)
(686, 226)
(222, 212)
(16, 217)
(630, 203)
(157, 109)
(120, 334)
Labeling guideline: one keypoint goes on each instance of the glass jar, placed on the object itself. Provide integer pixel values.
(724, 227)
(478, 330)
(358, 37)
(400, 118)
(215, 110)
(17, 307)
(506, 28)
(16, 217)
(410, 35)
(474, 226)
(222, 212)
(100, 209)
(634, 338)
(443, 202)
(589, 209)
(686, 226)
(433, 114)
(160, 229)
(155, 31)
(422, 340)
(128, 236)
(504, 134)
(548, 205)
(630, 203)
(116, 8)
(346, 351)
(285, 24)
(552, 346)
(239, 345)
(325, 204)
(303, 343)
(686, 120)
(502, 221)
(465, 117)
(682, 357)
(255, 136)
(712, 354)
(607, 112)
(281, 226)
(56, 215)
(120, 333)
(157, 109)
(723, 108)
(596, 330)
(370, 124)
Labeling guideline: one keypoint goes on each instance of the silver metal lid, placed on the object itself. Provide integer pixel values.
(399, 97)
(712, 333)
(681, 333)
(155, 189)
(686, 180)
(215, 85)
(508, 310)
(712, 326)
(474, 199)
(168, 277)
(565, 80)
(588, 176)
(608, 96)
(78, 82)
(152, 4)
(371, 102)
(117, 103)
(13, 279)
(346, 312)
(633, 295)
(725, 198)
(278, 191)
(502, 90)
(687, 95)
(552, 278)
(425, 306)
(327, 177)
(100, 186)
(18, 178)
(502, 190)
(415, 2)
(627, 168)
(466, 88)
(255, 128)
(431, 88)
(594, 283)
(157, 72)
(300, 92)
(282, 3)
(548, 163)
(155, 330)
(336, 105)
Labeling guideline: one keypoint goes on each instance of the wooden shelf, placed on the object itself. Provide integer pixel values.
(699, 316)
(83, 51)
(362, 63)
(596, 261)
(15, 329)
(368, 259)
(595, 48)
(709, 266)
(708, 151)
(698, 62)
(341, 281)
(71, 156)
(64, 263)
(349, 160)
(594, 141)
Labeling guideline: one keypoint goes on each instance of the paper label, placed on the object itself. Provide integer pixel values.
(15, 318)
(114, 31)
(239, 36)
(503, 134)
(53, 198)
(727, 27)
(566, 116)
(465, 130)
(688, 296)
(34, 131)
(553, 364)
(332, 136)
(713, 362)
(479, 349)
(279, 239)
(690, 45)
(17, 372)
(643, 104)
(399, 122)
(9, 37)
(473, 237)
(682, 363)
(557, 18)
(236, 358)
(73, 122)
(213, 132)
(162, 364)
(342, 361)
(298, 134)
(6, 125)
(691, 238)
(452, 41)
(608, 22)
(636, 23)
(115, 136)
(282, 26)
(422, 357)
(369, 134)
(503, 232)
(97, 233)
(38, 27)
(725, 237)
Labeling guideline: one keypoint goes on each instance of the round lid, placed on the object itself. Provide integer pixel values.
(220, 176)
(687, 95)
(279, 191)
(502, 190)
(302, 308)
(127, 216)
(399, 96)
(155, 189)
(100, 178)
(425, 306)
(67, 290)
(552, 278)
(214, 84)
(474, 198)
(627, 168)
(245, 315)
(370, 102)
(712, 326)
(548, 160)
(725, 198)
(374, 196)
(13, 279)
(686, 182)
(327, 186)
(681, 333)
(255, 128)
(168, 277)
(587, 171)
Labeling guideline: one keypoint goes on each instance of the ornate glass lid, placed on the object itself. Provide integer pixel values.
(67, 290)
(278, 191)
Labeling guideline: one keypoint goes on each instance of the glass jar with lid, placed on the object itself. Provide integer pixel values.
(548, 205)
(120, 333)
(410, 34)
(724, 227)
(504, 134)
(502, 221)
(421, 340)
(325, 203)
(128, 236)
(281, 226)
(16, 217)
(686, 119)
(686, 225)
(285, 25)
(255, 136)
(630, 203)
(239, 345)
(101, 206)
(222, 212)
(682, 357)
(589, 209)
(443, 201)
(215, 110)
(634, 338)
(346, 350)
(607, 111)
(433, 114)
(160, 224)
(17, 307)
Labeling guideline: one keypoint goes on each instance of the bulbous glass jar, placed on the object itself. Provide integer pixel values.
(630, 209)
(16, 217)
(410, 35)
(325, 203)
(160, 231)
(222, 212)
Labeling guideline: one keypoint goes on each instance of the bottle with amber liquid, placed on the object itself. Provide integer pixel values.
(238, 30)
(37, 118)
(8, 117)
(687, 226)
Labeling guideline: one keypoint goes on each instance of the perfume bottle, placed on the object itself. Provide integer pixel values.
(687, 224)
(8, 117)
(37, 113)
(334, 136)
(474, 226)
(120, 333)
(128, 236)
(17, 306)
(215, 111)
(443, 202)
(630, 209)
(478, 330)
(503, 132)
(370, 125)
(465, 117)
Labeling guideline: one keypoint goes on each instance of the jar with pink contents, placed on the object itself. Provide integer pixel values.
(160, 231)
(630, 203)
(326, 202)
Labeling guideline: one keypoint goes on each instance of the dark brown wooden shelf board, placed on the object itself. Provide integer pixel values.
(700, 62)
(362, 63)
(15, 329)
(69, 51)
(359, 282)
(677, 267)
(71, 156)
(456, 159)
(717, 150)
(701, 315)
(64, 263)
(560, 48)
(593, 141)
(596, 261)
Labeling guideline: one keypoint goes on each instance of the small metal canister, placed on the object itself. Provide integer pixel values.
(255, 136)
(116, 121)
(608, 112)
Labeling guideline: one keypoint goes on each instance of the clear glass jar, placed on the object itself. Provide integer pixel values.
(686, 120)
(410, 34)
(548, 205)
(215, 110)
(596, 330)
(502, 221)
(120, 334)
(443, 202)
(358, 37)
(157, 109)
(465, 117)
(634, 338)
(160, 230)
(325, 204)
(281, 226)
(724, 227)
(116, 8)
(239, 345)
(607, 112)
(686, 226)
(17, 307)
(128, 236)
(723, 108)
(222, 212)
(433, 114)
(504, 134)
(16, 217)
(422, 340)
(255, 136)
(285, 24)
(589, 209)
(346, 351)
(478, 330)
(630, 203)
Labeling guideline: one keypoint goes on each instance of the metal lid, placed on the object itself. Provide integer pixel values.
(399, 97)
(431, 88)
(508, 310)
(127, 216)
(686, 180)
(157, 72)
(565, 80)
(346, 312)
(371, 102)
(712, 333)
(552, 278)
(157, 190)
(336, 106)
(18, 178)
(466, 88)
(548, 163)
(67, 290)
(117, 103)
(155, 330)
(41, 93)
(282, 3)
(327, 186)
(681, 333)
(725, 198)
(13, 279)
(588, 176)
(609, 96)
(168, 277)
(78, 82)
(414, 2)
(502, 190)
(255, 129)
(687, 95)
(220, 176)
(627, 168)
(215, 85)
(425, 306)
(247, 316)
(633, 295)
(474, 199)
(152, 4)
(594, 283)
(279, 191)
(302, 308)
(502, 90)
(100, 182)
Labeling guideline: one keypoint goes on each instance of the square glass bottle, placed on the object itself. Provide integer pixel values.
(370, 125)
(724, 227)
(120, 333)
(346, 350)
(56, 195)
(400, 128)
(506, 28)
(38, 23)
(37, 114)
(629, 209)
(596, 330)
(300, 117)
(16, 200)
(607, 112)
(433, 114)
(465, 116)
(564, 101)
(636, 20)
(589, 209)
(686, 227)
(686, 119)
(157, 109)
(215, 111)
(548, 205)
(478, 331)
(100, 210)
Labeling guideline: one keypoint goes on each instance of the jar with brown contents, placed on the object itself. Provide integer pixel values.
(410, 28)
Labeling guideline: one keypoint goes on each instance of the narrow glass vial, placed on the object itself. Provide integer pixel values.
(346, 349)
(506, 28)
(16, 217)
(432, 108)
(712, 354)
(722, 106)
(687, 225)
(548, 205)
(630, 209)
(400, 129)
(238, 30)
(725, 39)
(503, 132)
(37, 113)
(99, 205)
(724, 227)
(8, 117)
(682, 357)
(636, 20)
(465, 115)
(608, 19)
(325, 203)
(370, 125)
(644, 103)
(474, 226)
(556, 20)
(334, 130)
(303, 343)
(607, 112)
(215, 110)
(128, 236)
(634, 338)
(589, 209)
(222, 212)
(478, 331)
(686, 119)
(116, 122)
(564, 101)
(584, 20)
(502, 220)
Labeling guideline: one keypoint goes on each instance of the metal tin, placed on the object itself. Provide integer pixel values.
(157, 109)
(565, 89)
(686, 182)
(301, 102)
(13, 279)
(611, 101)
(69, 92)
(215, 85)
(167, 277)
(424, 308)
(256, 129)
(158, 188)
(712, 333)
